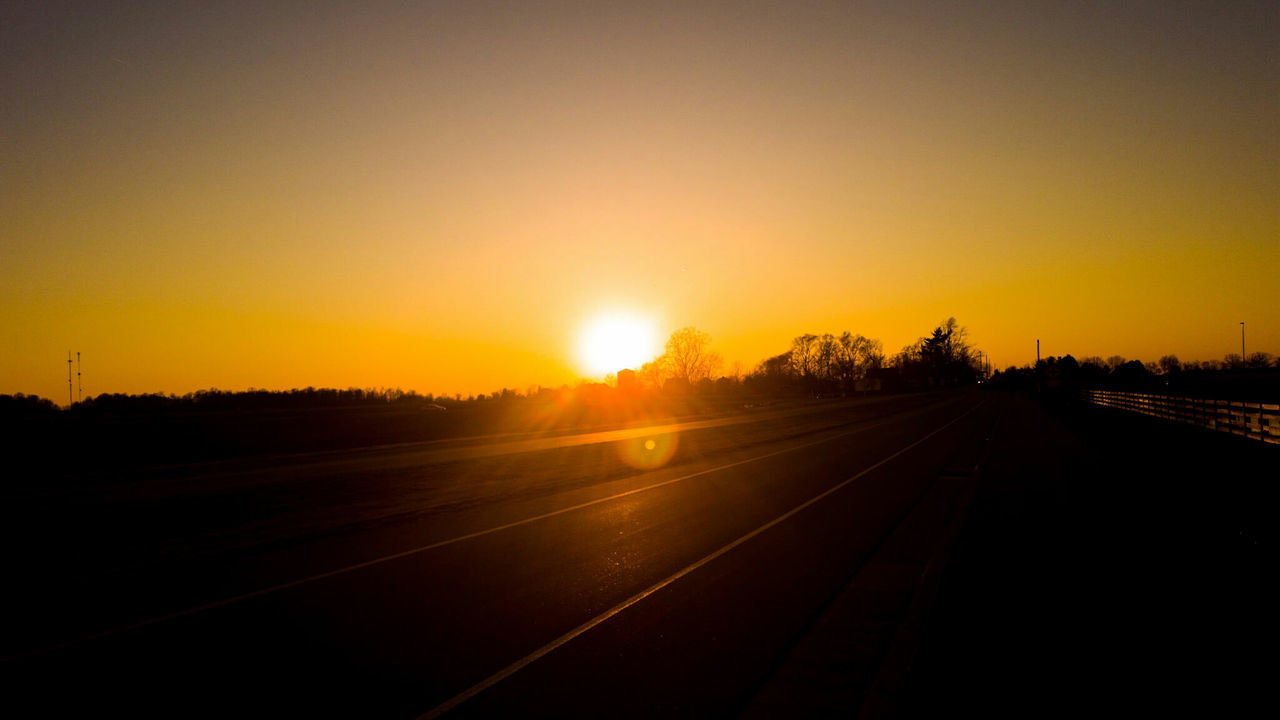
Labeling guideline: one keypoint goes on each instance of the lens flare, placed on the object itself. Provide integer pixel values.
(649, 453)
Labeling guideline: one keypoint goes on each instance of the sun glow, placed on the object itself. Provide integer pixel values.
(613, 341)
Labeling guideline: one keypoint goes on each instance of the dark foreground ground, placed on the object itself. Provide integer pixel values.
(1112, 565)
(918, 556)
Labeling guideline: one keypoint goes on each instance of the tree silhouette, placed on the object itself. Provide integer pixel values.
(804, 353)
(1169, 365)
(653, 373)
(944, 358)
(1259, 360)
(689, 356)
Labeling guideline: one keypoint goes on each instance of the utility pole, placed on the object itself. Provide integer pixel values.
(1242, 355)
(79, 384)
(1037, 350)
(70, 397)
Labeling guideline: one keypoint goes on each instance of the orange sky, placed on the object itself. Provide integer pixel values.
(438, 198)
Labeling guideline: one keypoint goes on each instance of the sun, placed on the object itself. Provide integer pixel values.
(613, 341)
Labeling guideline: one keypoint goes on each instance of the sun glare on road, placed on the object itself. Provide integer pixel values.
(613, 341)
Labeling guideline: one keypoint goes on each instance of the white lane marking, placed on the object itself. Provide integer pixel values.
(395, 556)
(542, 651)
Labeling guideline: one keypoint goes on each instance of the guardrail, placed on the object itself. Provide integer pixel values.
(1260, 421)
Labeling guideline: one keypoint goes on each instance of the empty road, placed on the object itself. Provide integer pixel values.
(669, 571)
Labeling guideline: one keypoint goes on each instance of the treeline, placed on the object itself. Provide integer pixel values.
(849, 363)
(255, 400)
(223, 400)
(826, 364)
(114, 432)
(1255, 378)
(822, 364)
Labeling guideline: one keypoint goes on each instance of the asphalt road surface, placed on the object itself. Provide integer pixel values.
(587, 575)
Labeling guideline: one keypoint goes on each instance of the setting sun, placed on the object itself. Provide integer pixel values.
(613, 341)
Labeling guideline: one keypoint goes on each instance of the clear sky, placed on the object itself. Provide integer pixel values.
(438, 196)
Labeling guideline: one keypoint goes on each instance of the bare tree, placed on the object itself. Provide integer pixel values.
(1259, 360)
(855, 357)
(1169, 364)
(775, 368)
(943, 358)
(804, 353)
(826, 353)
(653, 373)
(689, 355)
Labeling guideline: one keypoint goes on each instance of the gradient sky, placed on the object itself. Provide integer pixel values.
(437, 196)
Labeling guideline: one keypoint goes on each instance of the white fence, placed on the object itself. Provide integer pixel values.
(1260, 421)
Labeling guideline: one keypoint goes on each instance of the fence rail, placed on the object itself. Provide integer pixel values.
(1260, 421)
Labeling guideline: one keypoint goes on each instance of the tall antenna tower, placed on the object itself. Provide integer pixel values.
(79, 384)
(70, 397)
